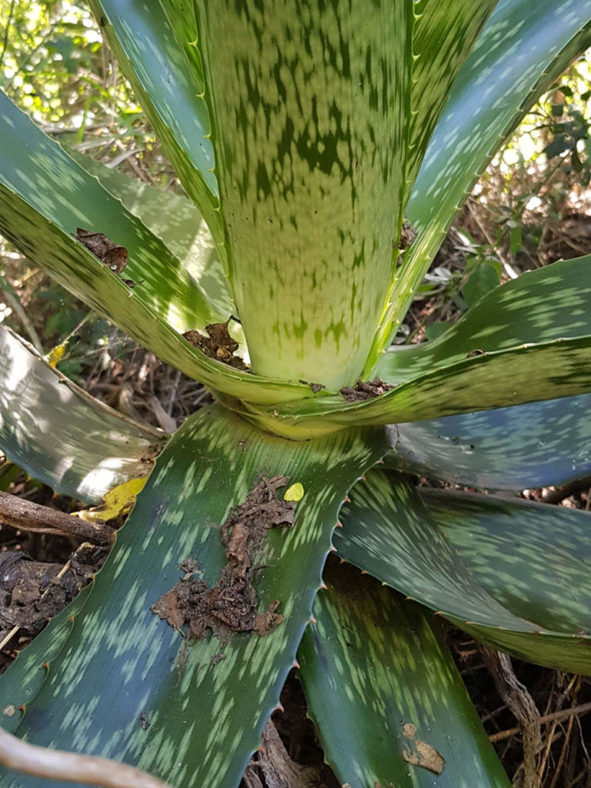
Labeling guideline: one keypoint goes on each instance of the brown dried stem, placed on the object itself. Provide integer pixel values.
(27, 516)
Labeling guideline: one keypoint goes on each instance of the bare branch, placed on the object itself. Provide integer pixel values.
(71, 767)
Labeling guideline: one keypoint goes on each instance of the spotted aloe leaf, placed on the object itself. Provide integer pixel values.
(514, 574)
(60, 434)
(177, 222)
(443, 35)
(492, 380)
(523, 48)
(526, 446)
(383, 691)
(45, 196)
(538, 306)
(158, 63)
(167, 702)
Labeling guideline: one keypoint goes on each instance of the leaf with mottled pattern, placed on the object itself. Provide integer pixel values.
(378, 680)
(533, 602)
(525, 446)
(205, 701)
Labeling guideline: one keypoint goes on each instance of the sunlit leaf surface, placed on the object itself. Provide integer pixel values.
(380, 683)
(525, 587)
(60, 434)
(204, 702)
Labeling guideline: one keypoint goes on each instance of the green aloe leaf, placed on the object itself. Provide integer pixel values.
(60, 434)
(45, 195)
(158, 65)
(40, 173)
(491, 380)
(443, 36)
(526, 446)
(170, 702)
(523, 48)
(506, 600)
(539, 306)
(308, 115)
(379, 680)
(178, 223)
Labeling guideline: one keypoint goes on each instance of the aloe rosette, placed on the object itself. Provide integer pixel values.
(304, 134)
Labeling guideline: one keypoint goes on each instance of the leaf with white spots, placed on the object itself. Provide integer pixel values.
(190, 711)
(539, 306)
(387, 700)
(60, 434)
(532, 445)
(510, 572)
(160, 68)
(523, 48)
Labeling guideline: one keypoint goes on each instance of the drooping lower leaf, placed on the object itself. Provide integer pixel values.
(388, 702)
(532, 445)
(60, 434)
(486, 381)
(191, 710)
(396, 535)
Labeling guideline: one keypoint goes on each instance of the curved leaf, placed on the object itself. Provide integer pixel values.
(190, 710)
(60, 434)
(539, 306)
(177, 222)
(523, 48)
(157, 67)
(526, 446)
(44, 196)
(378, 680)
(394, 534)
(490, 380)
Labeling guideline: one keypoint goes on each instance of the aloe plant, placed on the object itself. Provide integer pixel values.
(305, 135)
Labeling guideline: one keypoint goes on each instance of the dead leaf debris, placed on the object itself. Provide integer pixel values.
(218, 344)
(108, 252)
(231, 605)
(419, 753)
(408, 235)
(365, 390)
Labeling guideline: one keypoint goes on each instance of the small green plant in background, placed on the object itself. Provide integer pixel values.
(305, 136)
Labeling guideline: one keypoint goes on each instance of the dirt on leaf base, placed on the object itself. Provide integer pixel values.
(231, 605)
(218, 344)
(365, 390)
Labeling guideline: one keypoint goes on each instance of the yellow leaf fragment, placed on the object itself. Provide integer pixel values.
(55, 356)
(294, 492)
(116, 502)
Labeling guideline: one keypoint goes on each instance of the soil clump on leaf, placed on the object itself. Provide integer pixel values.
(108, 252)
(218, 344)
(231, 605)
(365, 390)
